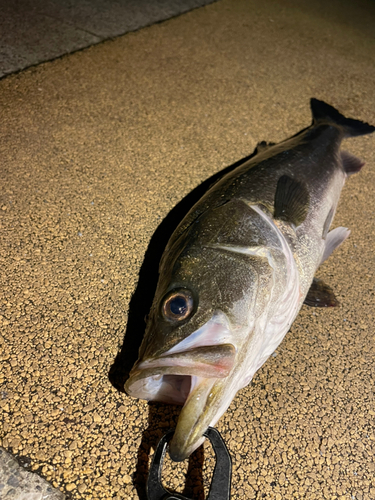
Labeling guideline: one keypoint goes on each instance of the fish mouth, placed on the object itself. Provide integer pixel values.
(190, 378)
(172, 377)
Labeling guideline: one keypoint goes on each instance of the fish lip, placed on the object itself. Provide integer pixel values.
(171, 378)
(213, 361)
(217, 330)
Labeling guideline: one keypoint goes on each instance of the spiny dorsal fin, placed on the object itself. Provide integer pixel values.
(334, 240)
(351, 163)
(320, 295)
(324, 113)
(263, 146)
(291, 200)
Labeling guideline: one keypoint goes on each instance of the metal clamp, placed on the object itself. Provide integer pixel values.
(221, 478)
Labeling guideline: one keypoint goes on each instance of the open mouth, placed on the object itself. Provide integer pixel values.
(167, 388)
(193, 373)
(172, 378)
(192, 378)
(175, 388)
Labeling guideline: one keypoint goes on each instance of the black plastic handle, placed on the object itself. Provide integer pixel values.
(221, 478)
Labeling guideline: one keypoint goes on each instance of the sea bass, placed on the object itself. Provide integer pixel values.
(237, 270)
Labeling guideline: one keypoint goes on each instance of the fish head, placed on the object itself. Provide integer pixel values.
(202, 315)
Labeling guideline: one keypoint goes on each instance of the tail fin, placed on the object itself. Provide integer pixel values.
(324, 113)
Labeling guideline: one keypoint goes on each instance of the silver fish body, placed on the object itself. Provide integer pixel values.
(237, 270)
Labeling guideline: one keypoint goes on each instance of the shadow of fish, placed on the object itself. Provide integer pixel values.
(237, 270)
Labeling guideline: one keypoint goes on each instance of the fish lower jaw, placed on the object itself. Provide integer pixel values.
(193, 392)
(204, 400)
(193, 421)
(179, 454)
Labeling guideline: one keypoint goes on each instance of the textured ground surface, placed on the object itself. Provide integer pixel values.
(96, 150)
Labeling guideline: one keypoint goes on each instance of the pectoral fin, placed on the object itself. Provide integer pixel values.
(320, 295)
(291, 201)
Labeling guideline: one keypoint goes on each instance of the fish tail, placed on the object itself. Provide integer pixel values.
(324, 113)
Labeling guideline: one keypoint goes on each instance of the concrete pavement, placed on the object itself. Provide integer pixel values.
(38, 31)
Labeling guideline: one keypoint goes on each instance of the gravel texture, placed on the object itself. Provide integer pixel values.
(97, 151)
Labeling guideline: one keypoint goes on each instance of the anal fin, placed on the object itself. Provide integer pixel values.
(291, 200)
(351, 163)
(320, 295)
(334, 240)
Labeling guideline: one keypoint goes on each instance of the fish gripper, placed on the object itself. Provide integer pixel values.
(221, 478)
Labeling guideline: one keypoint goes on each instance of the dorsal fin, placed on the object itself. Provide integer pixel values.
(324, 113)
(263, 146)
(291, 200)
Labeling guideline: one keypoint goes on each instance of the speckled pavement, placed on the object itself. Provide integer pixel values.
(97, 151)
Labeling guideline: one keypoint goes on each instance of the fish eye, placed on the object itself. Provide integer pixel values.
(177, 305)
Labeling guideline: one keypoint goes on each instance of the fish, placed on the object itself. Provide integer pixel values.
(237, 270)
